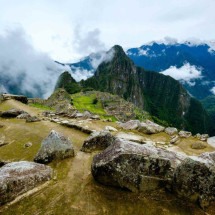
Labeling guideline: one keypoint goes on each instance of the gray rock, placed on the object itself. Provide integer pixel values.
(55, 146)
(202, 137)
(87, 115)
(32, 119)
(171, 131)
(110, 128)
(209, 156)
(12, 113)
(20, 98)
(194, 179)
(17, 178)
(95, 117)
(198, 145)
(130, 125)
(23, 116)
(134, 166)
(185, 134)
(149, 127)
(27, 145)
(211, 141)
(174, 139)
(98, 141)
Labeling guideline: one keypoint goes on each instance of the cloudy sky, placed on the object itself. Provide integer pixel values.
(67, 30)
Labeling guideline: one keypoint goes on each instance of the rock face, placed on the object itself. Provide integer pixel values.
(171, 131)
(194, 179)
(18, 177)
(55, 146)
(136, 167)
(98, 141)
(12, 113)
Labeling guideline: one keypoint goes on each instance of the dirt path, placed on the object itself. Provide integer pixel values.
(74, 191)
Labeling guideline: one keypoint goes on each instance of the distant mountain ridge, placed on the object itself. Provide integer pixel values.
(193, 64)
(160, 95)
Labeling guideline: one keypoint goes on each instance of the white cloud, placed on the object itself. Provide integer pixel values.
(81, 74)
(128, 26)
(186, 74)
(87, 42)
(96, 60)
(213, 90)
(30, 70)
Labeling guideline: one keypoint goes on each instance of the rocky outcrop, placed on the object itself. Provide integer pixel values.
(12, 113)
(18, 177)
(32, 119)
(171, 131)
(135, 167)
(130, 125)
(174, 139)
(98, 141)
(23, 116)
(110, 128)
(149, 127)
(198, 145)
(211, 141)
(202, 137)
(20, 98)
(55, 146)
(194, 179)
(185, 134)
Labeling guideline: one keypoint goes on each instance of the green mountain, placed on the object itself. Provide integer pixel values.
(160, 95)
(67, 82)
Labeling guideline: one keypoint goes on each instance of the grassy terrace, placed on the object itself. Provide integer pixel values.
(87, 103)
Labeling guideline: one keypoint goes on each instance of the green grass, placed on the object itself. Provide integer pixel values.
(82, 103)
(85, 103)
(40, 106)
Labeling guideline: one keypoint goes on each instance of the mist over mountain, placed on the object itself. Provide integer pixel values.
(25, 70)
(190, 62)
(160, 95)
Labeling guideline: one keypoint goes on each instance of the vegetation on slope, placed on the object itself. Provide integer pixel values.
(162, 96)
(67, 82)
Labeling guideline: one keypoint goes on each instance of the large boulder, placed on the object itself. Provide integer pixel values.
(55, 146)
(98, 141)
(130, 125)
(32, 119)
(171, 131)
(134, 166)
(150, 127)
(194, 179)
(18, 177)
(12, 113)
(185, 134)
(211, 141)
(198, 145)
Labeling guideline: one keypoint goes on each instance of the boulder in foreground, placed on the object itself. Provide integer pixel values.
(12, 113)
(17, 178)
(135, 167)
(194, 179)
(55, 146)
(98, 141)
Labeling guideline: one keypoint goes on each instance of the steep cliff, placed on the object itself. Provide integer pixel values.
(160, 95)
